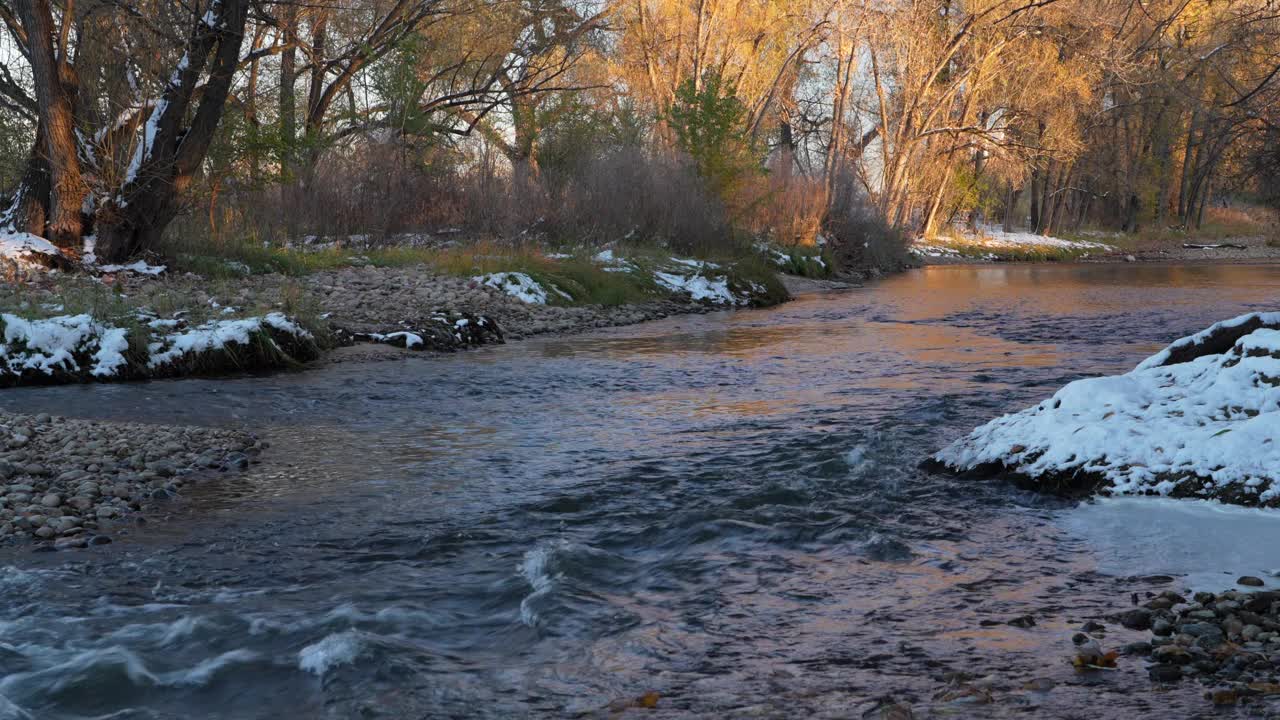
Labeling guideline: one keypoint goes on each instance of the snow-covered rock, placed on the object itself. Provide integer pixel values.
(1201, 418)
(442, 332)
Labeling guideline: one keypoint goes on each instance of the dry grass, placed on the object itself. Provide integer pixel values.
(1220, 224)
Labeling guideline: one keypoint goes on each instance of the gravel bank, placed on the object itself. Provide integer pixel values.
(1228, 642)
(388, 299)
(69, 483)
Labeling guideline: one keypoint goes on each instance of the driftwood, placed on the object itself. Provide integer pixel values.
(1233, 246)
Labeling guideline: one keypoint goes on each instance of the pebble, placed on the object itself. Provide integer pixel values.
(1228, 641)
(1250, 581)
(70, 474)
(1136, 619)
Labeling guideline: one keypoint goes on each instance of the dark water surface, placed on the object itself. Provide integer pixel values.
(725, 510)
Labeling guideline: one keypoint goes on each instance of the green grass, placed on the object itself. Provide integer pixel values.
(586, 281)
(163, 298)
(579, 276)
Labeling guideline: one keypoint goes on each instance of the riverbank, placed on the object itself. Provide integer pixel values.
(148, 321)
(68, 482)
(1229, 239)
(75, 483)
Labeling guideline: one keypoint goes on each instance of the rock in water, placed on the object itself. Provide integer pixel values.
(1136, 619)
(1197, 419)
(1250, 581)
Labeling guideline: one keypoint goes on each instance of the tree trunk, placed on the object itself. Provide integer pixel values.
(167, 167)
(1035, 199)
(929, 227)
(289, 78)
(29, 210)
(1190, 161)
(524, 158)
(55, 97)
(1011, 207)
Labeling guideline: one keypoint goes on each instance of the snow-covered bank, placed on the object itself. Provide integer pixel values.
(80, 348)
(1199, 419)
(699, 281)
(992, 243)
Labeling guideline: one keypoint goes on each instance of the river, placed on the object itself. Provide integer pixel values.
(725, 510)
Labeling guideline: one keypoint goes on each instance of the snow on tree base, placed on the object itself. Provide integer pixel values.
(22, 254)
(1199, 419)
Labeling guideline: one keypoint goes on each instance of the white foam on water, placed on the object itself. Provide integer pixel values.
(1208, 543)
(536, 569)
(332, 651)
(204, 671)
(859, 459)
(162, 634)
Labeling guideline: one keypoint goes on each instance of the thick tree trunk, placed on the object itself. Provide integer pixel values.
(1131, 212)
(168, 165)
(55, 97)
(524, 158)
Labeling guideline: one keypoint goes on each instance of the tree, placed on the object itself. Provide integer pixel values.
(55, 198)
(710, 126)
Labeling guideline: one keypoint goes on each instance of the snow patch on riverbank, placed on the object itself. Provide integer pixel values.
(218, 335)
(139, 267)
(1199, 419)
(519, 286)
(990, 242)
(698, 287)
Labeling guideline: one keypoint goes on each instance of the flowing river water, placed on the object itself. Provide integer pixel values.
(725, 510)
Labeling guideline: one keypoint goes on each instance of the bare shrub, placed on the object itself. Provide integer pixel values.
(786, 207)
(860, 236)
(627, 194)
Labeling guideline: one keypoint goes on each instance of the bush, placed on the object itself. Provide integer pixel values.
(860, 238)
(631, 196)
